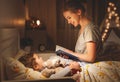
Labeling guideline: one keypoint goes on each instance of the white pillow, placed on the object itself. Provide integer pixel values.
(15, 69)
(20, 53)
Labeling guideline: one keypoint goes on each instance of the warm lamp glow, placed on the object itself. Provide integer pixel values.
(38, 22)
(34, 23)
(111, 15)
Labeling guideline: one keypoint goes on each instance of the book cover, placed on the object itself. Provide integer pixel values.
(60, 51)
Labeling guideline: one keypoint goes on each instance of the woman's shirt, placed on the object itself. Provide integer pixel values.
(90, 33)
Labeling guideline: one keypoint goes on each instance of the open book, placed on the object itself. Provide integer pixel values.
(60, 51)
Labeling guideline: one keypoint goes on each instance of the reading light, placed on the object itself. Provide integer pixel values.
(38, 22)
(34, 23)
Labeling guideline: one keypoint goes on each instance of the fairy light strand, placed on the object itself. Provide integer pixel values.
(111, 15)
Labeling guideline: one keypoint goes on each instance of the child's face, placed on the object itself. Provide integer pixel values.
(39, 62)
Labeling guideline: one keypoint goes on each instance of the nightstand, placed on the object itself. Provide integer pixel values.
(39, 38)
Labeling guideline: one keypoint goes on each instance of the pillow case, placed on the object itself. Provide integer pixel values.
(111, 48)
(20, 53)
(16, 70)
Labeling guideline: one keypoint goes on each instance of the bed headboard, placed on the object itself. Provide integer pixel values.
(9, 45)
(9, 42)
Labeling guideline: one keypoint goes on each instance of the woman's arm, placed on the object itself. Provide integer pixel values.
(66, 70)
(61, 73)
(89, 56)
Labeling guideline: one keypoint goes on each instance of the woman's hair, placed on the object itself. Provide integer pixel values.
(28, 60)
(74, 6)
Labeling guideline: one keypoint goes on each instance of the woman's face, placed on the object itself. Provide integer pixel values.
(39, 62)
(72, 18)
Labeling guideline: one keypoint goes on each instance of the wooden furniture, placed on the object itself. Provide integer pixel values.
(39, 38)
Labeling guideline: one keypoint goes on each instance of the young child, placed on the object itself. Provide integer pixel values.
(54, 67)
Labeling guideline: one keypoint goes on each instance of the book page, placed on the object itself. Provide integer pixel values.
(60, 51)
(59, 48)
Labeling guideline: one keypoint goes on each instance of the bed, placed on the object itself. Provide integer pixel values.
(106, 69)
(11, 70)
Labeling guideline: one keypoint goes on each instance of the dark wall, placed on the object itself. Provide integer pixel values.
(45, 10)
(12, 14)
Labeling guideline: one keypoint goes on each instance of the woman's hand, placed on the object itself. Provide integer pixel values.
(64, 56)
(74, 65)
(75, 68)
(68, 51)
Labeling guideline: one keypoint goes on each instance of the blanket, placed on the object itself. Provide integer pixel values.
(104, 71)
(106, 68)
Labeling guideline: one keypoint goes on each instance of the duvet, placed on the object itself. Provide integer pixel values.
(104, 71)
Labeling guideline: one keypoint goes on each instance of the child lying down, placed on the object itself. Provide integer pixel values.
(54, 67)
(102, 71)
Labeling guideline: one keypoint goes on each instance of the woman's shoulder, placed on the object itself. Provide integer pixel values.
(92, 27)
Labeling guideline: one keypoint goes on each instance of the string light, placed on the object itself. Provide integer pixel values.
(111, 15)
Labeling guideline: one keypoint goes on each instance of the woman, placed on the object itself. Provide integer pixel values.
(89, 44)
(89, 47)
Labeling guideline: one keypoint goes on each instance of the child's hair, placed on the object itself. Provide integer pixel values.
(28, 60)
(74, 5)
